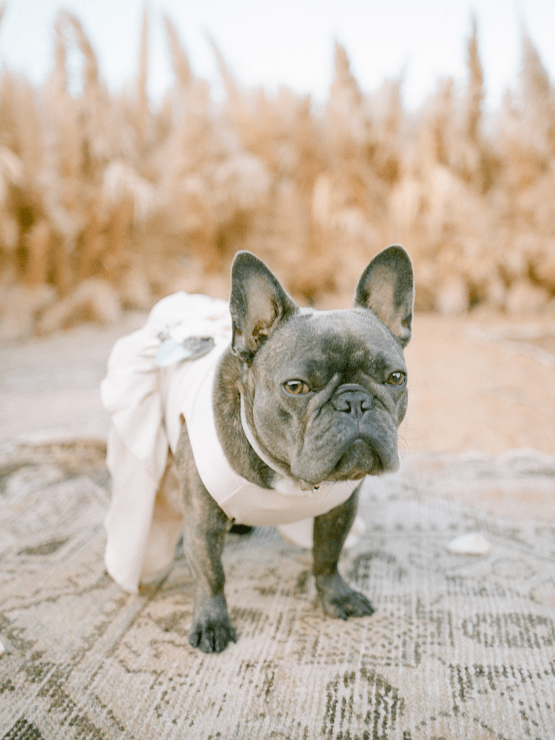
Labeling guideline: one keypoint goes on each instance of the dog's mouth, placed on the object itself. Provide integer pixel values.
(357, 460)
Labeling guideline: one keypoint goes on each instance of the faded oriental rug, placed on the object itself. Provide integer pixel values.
(461, 647)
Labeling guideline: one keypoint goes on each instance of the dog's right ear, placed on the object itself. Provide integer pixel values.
(258, 304)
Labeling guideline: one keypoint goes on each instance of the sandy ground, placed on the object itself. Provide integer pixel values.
(478, 383)
(482, 384)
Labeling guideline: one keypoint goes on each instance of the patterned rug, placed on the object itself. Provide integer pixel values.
(461, 647)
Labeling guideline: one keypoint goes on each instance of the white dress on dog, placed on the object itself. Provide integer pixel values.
(147, 404)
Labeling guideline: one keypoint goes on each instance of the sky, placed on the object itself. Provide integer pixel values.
(290, 42)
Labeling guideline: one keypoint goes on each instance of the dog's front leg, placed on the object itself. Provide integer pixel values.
(205, 528)
(330, 532)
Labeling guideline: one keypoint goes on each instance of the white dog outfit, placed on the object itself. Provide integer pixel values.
(157, 376)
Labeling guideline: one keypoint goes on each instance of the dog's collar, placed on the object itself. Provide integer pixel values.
(283, 482)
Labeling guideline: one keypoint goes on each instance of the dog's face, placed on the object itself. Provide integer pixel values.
(324, 391)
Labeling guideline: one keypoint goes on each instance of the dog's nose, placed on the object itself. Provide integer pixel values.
(352, 401)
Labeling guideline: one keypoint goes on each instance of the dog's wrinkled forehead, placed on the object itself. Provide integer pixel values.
(337, 340)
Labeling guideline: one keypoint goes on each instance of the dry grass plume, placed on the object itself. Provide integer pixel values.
(108, 201)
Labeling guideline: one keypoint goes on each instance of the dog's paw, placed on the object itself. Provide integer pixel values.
(213, 637)
(211, 631)
(341, 601)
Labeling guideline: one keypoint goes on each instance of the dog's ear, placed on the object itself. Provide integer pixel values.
(386, 287)
(258, 304)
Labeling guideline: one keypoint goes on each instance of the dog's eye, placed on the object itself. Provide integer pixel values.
(396, 378)
(296, 387)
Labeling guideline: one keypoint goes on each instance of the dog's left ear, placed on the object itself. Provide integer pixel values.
(258, 304)
(386, 287)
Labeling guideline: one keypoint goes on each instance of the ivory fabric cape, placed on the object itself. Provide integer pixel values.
(147, 403)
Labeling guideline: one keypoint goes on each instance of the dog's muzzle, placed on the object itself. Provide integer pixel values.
(364, 453)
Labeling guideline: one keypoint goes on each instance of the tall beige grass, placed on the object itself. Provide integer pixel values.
(108, 201)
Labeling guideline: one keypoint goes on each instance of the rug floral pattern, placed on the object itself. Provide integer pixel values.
(460, 647)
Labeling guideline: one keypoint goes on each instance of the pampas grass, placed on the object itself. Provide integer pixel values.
(108, 201)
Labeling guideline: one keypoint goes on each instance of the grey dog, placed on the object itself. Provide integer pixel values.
(306, 396)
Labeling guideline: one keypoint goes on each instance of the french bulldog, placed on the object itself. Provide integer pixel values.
(305, 398)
